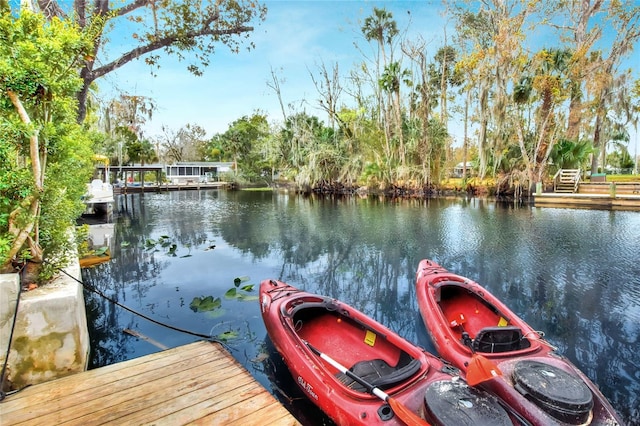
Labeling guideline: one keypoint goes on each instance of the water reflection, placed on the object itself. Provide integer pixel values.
(572, 273)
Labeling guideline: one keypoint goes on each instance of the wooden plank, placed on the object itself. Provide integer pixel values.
(184, 407)
(132, 395)
(111, 373)
(248, 411)
(265, 416)
(213, 402)
(199, 382)
(142, 400)
(71, 393)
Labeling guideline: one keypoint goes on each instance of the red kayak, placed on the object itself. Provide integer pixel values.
(477, 333)
(361, 373)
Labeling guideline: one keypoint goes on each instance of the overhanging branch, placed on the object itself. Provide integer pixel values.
(159, 44)
(130, 7)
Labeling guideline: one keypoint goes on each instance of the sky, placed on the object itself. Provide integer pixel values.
(294, 40)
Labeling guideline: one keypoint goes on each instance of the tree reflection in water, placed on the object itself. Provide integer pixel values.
(571, 273)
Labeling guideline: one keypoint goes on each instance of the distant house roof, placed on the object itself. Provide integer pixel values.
(203, 163)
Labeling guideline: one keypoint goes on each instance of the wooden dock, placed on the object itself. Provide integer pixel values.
(165, 187)
(199, 383)
(611, 195)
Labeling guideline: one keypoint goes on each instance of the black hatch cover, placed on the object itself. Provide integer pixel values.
(561, 394)
(453, 402)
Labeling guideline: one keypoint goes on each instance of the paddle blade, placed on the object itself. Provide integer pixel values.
(407, 416)
(480, 370)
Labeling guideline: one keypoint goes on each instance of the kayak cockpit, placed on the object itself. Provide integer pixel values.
(500, 339)
(477, 323)
(380, 374)
(364, 350)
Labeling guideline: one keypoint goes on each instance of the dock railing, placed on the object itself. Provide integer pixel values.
(566, 180)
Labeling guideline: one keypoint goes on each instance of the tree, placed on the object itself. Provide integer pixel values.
(390, 83)
(47, 156)
(475, 33)
(329, 89)
(620, 159)
(634, 118)
(189, 29)
(581, 38)
(214, 150)
(624, 18)
(424, 99)
(121, 123)
(446, 57)
(128, 111)
(274, 84)
(568, 154)
(492, 37)
(545, 77)
(242, 135)
(141, 151)
(382, 28)
(187, 144)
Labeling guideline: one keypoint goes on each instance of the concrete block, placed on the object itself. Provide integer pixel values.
(51, 338)
(9, 288)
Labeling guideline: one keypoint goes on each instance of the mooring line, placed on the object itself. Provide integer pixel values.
(141, 315)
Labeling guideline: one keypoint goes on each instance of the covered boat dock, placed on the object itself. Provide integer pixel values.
(173, 177)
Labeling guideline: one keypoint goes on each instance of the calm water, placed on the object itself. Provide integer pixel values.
(574, 274)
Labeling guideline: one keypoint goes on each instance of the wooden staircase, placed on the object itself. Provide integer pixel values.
(566, 180)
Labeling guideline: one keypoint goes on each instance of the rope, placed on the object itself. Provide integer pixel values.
(3, 394)
(115, 302)
(6, 358)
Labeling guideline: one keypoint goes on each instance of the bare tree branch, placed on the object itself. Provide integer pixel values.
(50, 9)
(132, 6)
(192, 25)
(158, 44)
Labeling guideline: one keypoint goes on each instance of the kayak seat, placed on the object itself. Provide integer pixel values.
(500, 339)
(380, 374)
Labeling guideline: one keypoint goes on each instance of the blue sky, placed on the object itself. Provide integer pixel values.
(296, 37)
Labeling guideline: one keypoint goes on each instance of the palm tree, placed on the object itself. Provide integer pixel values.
(570, 154)
(390, 83)
(382, 28)
(545, 80)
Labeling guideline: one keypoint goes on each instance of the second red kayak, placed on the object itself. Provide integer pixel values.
(477, 333)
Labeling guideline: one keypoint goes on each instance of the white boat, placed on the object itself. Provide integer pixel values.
(99, 198)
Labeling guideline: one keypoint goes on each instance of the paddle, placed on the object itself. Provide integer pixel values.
(480, 369)
(406, 415)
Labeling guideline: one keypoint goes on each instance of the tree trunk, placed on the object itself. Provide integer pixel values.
(82, 99)
(596, 139)
(465, 142)
(575, 115)
(23, 233)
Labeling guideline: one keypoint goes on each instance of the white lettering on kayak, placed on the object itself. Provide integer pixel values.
(307, 387)
(265, 303)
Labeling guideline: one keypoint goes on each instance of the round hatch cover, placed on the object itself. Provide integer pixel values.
(561, 394)
(455, 403)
